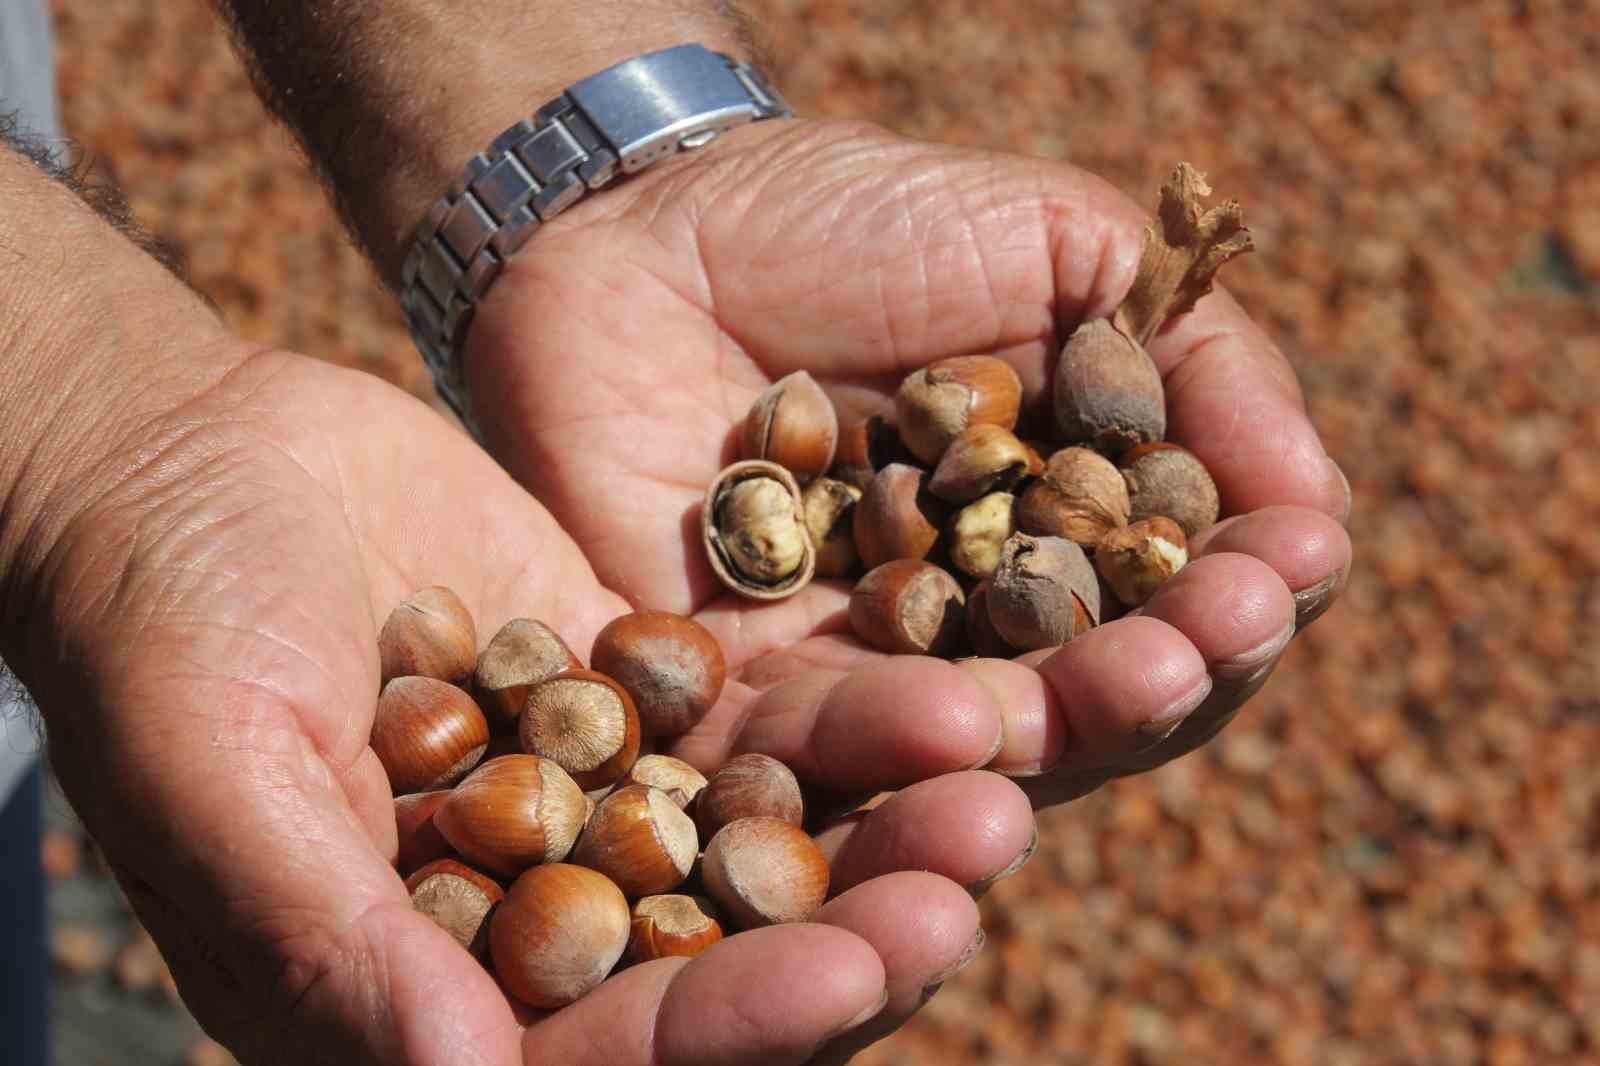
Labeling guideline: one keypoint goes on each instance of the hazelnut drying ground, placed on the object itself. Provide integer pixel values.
(1423, 180)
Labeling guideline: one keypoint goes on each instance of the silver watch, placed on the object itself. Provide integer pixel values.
(611, 123)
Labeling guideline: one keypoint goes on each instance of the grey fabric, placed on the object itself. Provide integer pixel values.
(28, 90)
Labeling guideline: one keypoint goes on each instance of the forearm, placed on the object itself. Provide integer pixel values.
(391, 97)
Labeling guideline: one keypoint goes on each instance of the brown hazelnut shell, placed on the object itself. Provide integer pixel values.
(432, 635)
(459, 899)
(1168, 481)
(908, 607)
(717, 539)
(512, 813)
(763, 871)
(420, 840)
(983, 459)
(1108, 393)
(427, 734)
(557, 934)
(794, 425)
(585, 722)
(1080, 496)
(936, 404)
(748, 786)
(671, 665)
(982, 637)
(1043, 593)
(896, 517)
(866, 447)
(519, 656)
(641, 840)
(680, 781)
(672, 926)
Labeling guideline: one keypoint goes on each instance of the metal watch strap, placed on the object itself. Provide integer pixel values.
(615, 122)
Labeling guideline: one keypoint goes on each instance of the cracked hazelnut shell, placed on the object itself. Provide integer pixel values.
(794, 425)
(866, 447)
(1137, 559)
(753, 522)
(984, 458)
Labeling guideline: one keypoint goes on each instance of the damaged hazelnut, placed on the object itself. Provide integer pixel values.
(1081, 496)
(522, 654)
(983, 459)
(1166, 481)
(793, 424)
(1043, 593)
(585, 723)
(942, 400)
(755, 534)
(830, 508)
(978, 532)
(896, 518)
(908, 607)
(1136, 559)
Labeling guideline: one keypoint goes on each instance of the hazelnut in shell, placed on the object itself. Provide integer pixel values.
(982, 637)
(1108, 393)
(830, 509)
(1136, 559)
(749, 786)
(641, 840)
(672, 926)
(512, 813)
(983, 459)
(458, 899)
(584, 722)
(680, 781)
(557, 934)
(764, 871)
(978, 532)
(1167, 481)
(755, 534)
(420, 840)
(427, 734)
(671, 665)
(523, 653)
(1081, 496)
(429, 635)
(938, 403)
(908, 607)
(896, 517)
(793, 424)
(866, 447)
(1043, 593)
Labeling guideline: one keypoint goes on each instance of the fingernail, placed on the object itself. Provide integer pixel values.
(1161, 726)
(1311, 602)
(994, 750)
(978, 888)
(970, 953)
(1247, 664)
(1349, 499)
(864, 1017)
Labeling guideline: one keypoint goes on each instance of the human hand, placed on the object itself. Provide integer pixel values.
(614, 359)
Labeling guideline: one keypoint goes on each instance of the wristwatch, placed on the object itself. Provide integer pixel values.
(615, 122)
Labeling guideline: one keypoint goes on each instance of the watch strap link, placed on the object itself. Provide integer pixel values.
(615, 122)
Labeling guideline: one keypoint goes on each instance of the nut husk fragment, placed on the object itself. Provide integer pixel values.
(1108, 392)
(909, 607)
(896, 518)
(984, 458)
(939, 402)
(1165, 480)
(979, 531)
(794, 425)
(1043, 593)
(1136, 559)
(830, 508)
(754, 530)
(1081, 496)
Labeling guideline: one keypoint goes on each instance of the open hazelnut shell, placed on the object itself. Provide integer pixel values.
(762, 529)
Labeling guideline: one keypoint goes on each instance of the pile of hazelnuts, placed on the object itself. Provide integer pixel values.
(965, 539)
(518, 766)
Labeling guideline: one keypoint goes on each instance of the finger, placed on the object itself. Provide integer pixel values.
(1310, 552)
(770, 996)
(920, 951)
(914, 830)
(892, 722)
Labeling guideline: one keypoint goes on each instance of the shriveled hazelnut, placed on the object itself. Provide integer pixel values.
(896, 517)
(522, 654)
(1136, 559)
(429, 635)
(983, 459)
(748, 786)
(1043, 593)
(937, 403)
(585, 722)
(1167, 481)
(984, 640)
(1108, 392)
(427, 734)
(978, 532)
(793, 424)
(908, 607)
(1081, 496)
(458, 899)
(640, 839)
(830, 508)
(866, 447)
(557, 934)
(755, 531)
(512, 813)
(672, 926)
(680, 781)
(762, 871)
(671, 665)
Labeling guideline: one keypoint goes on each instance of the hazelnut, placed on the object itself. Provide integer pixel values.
(558, 933)
(755, 531)
(793, 424)
(1108, 392)
(908, 607)
(896, 518)
(429, 635)
(663, 926)
(640, 839)
(680, 781)
(1136, 559)
(1167, 481)
(1043, 593)
(748, 786)
(671, 665)
(521, 655)
(985, 641)
(940, 401)
(762, 871)
(512, 813)
(866, 447)
(427, 734)
(584, 722)
(1081, 496)
(982, 459)
(458, 899)
(420, 840)
(978, 532)
(829, 508)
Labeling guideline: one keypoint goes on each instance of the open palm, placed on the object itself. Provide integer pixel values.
(612, 363)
